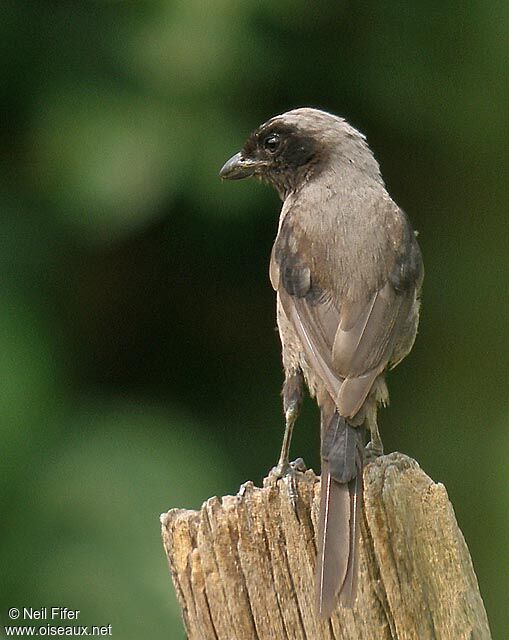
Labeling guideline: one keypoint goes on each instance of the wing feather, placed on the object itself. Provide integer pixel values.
(350, 343)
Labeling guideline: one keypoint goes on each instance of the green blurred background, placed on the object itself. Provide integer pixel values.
(139, 366)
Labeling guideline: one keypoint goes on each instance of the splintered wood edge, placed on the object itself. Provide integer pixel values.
(416, 575)
(428, 584)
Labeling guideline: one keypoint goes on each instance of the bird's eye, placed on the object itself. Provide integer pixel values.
(271, 143)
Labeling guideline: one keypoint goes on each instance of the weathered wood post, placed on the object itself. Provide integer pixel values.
(243, 566)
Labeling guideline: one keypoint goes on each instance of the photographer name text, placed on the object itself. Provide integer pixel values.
(50, 613)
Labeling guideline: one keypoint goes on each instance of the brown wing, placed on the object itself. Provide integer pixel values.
(347, 343)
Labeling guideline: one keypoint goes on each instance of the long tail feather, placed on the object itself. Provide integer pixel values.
(348, 590)
(338, 527)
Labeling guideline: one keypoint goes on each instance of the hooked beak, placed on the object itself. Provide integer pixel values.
(238, 167)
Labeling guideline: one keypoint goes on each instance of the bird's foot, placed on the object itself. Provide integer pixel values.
(372, 451)
(288, 472)
(283, 468)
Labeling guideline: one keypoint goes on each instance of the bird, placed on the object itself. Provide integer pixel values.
(347, 271)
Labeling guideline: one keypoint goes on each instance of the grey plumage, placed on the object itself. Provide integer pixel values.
(347, 270)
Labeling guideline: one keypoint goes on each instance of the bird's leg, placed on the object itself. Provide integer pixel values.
(292, 399)
(374, 448)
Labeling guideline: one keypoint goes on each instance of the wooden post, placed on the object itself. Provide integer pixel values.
(243, 566)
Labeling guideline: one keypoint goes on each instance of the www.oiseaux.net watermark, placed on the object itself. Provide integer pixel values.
(50, 622)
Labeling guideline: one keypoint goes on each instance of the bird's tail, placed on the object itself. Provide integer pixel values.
(340, 511)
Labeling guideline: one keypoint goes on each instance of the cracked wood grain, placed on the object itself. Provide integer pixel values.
(243, 566)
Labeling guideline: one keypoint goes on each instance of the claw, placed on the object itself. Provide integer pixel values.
(291, 488)
(372, 451)
(299, 465)
(288, 473)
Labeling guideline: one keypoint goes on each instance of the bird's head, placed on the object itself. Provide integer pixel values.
(291, 148)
